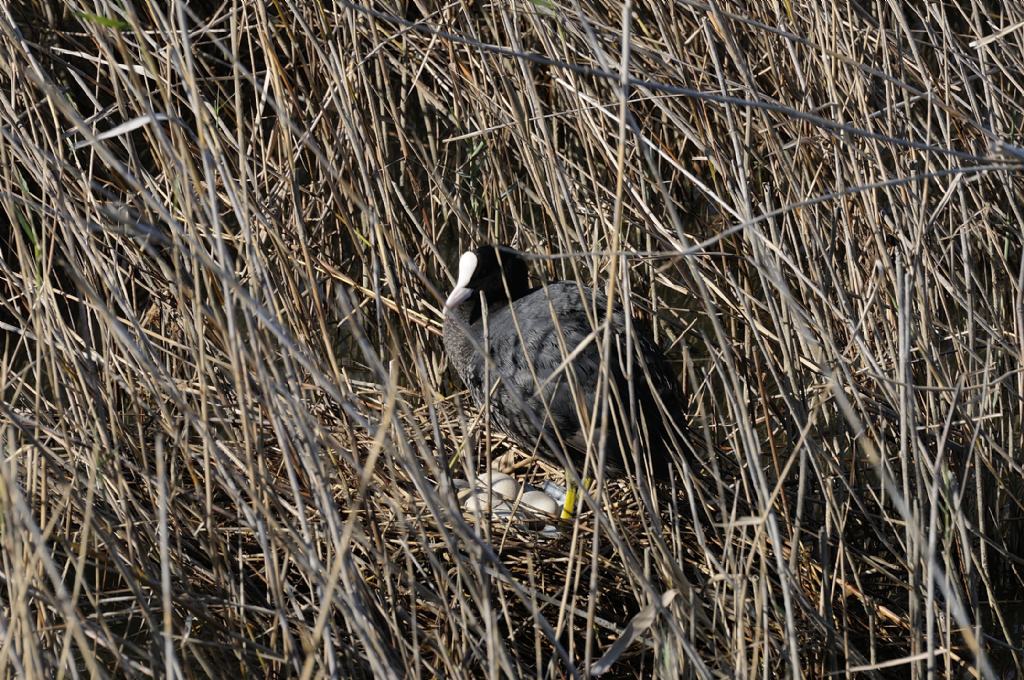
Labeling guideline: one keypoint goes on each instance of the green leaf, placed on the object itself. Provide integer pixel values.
(106, 22)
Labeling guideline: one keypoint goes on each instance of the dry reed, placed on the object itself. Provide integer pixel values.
(227, 422)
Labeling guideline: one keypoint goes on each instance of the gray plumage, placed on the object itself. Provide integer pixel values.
(536, 395)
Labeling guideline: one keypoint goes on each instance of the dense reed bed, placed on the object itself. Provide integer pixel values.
(230, 440)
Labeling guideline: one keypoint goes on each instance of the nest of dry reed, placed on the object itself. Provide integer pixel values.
(227, 425)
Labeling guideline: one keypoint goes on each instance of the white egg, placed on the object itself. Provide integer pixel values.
(475, 502)
(539, 501)
(506, 488)
(480, 502)
(501, 485)
(492, 476)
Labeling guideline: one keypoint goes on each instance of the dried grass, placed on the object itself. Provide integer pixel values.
(226, 415)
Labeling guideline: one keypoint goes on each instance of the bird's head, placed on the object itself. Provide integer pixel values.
(496, 271)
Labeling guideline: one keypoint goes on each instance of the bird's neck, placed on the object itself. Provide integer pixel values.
(459, 331)
(466, 313)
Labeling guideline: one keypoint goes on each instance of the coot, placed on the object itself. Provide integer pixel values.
(546, 362)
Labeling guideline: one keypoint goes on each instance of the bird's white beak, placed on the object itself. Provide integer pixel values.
(458, 296)
(462, 291)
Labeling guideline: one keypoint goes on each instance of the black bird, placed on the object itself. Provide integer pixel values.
(546, 363)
